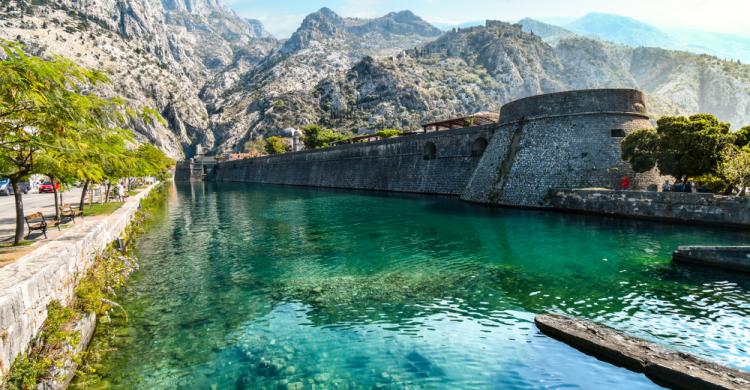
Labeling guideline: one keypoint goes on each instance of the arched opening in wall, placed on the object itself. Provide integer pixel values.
(430, 151)
(617, 133)
(478, 147)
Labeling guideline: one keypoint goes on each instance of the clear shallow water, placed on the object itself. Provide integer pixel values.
(246, 286)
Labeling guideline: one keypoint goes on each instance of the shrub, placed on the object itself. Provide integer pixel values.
(276, 145)
(388, 133)
(317, 136)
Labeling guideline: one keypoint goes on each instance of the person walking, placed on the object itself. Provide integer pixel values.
(666, 187)
(121, 191)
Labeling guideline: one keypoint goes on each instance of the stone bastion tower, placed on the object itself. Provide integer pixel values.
(559, 140)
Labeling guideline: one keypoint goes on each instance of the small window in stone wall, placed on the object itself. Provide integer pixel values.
(478, 147)
(430, 151)
(617, 133)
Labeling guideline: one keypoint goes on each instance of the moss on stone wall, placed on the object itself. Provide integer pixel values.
(52, 345)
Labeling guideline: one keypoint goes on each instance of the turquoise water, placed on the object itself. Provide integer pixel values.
(266, 287)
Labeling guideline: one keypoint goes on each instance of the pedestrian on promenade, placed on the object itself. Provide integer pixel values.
(625, 183)
(666, 187)
(121, 191)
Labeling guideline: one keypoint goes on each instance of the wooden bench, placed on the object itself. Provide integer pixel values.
(37, 221)
(70, 212)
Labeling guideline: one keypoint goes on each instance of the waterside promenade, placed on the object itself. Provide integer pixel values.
(50, 272)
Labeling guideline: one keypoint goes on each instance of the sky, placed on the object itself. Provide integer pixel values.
(282, 17)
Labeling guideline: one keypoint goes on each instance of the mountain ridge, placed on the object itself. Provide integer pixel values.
(633, 32)
(220, 79)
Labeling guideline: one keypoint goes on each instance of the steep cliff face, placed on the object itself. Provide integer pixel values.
(279, 92)
(158, 53)
(462, 72)
(676, 82)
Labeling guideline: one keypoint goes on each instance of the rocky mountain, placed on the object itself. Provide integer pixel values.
(619, 29)
(480, 68)
(278, 93)
(550, 33)
(632, 32)
(158, 53)
(475, 69)
(221, 80)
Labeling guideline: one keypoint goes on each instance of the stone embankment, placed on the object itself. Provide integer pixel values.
(732, 258)
(51, 272)
(668, 368)
(698, 208)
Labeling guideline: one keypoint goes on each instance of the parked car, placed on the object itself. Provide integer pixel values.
(46, 187)
(6, 188)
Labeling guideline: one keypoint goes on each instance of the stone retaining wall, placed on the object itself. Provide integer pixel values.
(733, 258)
(51, 272)
(432, 163)
(182, 171)
(669, 206)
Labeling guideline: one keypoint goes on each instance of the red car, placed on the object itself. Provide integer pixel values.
(46, 187)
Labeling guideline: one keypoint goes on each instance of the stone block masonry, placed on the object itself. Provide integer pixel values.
(705, 209)
(432, 163)
(673, 369)
(731, 258)
(51, 272)
(564, 140)
(568, 139)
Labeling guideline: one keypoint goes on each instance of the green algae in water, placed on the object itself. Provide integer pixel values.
(248, 286)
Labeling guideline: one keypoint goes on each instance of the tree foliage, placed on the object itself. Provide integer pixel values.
(256, 147)
(52, 123)
(388, 133)
(742, 137)
(735, 167)
(681, 147)
(276, 145)
(317, 136)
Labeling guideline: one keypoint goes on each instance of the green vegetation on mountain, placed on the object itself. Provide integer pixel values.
(317, 136)
(276, 145)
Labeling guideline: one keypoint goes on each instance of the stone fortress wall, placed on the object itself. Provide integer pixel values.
(429, 163)
(562, 140)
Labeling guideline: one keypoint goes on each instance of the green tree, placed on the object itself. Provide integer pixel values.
(742, 136)
(317, 136)
(735, 167)
(388, 133)
(276, 145)
(681, 147)
(640, 149)
(48, 113)
(256, 147)
(43, 107)
(152, 162)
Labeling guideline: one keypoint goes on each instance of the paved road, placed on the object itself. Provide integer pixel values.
(32, 202)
